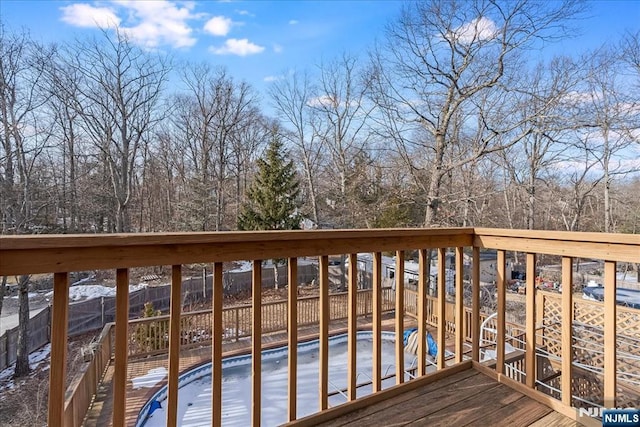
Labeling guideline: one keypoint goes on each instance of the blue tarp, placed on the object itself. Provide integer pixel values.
(432, 347)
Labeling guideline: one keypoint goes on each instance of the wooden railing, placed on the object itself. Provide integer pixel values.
(63, 254)
(149, 336)
(79, 394)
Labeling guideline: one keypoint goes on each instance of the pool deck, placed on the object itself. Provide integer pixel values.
(100, 413)
(462, 397)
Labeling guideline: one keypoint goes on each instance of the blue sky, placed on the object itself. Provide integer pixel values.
(260, 40)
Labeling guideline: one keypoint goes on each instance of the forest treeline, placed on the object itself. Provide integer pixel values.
(457, 116)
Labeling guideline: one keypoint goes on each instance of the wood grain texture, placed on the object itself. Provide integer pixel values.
(256, 343)
(376, 326)
(399, 318)
(475, 305)
(121, 341)
(292, 335)
(324, 333)
(58, 372)
(502, 306)
(174, 345)
(610, 318)
(530, 322)
(567, 330)
(216, 347)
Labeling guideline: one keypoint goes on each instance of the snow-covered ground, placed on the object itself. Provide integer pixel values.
(82, 292)
(194, 399)
(35, 359)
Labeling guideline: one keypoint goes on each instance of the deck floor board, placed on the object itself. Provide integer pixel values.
(467, 398)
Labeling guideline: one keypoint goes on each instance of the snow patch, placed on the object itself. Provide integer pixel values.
(243, 267)
(80, 292)
(35, 359)
(153, 377)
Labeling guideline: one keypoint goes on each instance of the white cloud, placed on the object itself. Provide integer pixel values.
(479, 29)
(293, 22)
(244, 13)
(85, 15)
(240, 47)
(218, 26)
(159, 22)
(277, 48)
(270, 79)
(148, 23)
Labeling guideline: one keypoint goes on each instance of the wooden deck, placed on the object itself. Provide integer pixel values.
(464, 398)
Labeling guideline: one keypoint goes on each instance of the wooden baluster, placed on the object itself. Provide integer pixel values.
(377, 322)
(442, 303)
(122, 347)
(57, 373)
(530, 338)
(174, 345)
(399, 278)
(256, 343)
(459, 304)
(324, 333)
(216, 345)
(423, 261)
(475, 305)
(567, 330)
(352, 326)
(610, 317)
(502, 307)
(292, 326)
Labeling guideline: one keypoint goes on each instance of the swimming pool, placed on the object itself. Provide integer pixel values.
(194, 397)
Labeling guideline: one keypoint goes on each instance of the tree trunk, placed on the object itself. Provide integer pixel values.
(3, 286)
(22, 361)
(275, 273)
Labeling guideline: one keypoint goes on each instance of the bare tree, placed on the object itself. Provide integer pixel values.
(208, 121)
(291, 97)
(343, 110)
(439, 58)
(610, 121)
(118, 88)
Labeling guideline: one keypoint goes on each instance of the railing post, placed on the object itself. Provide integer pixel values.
(352, 327)
(399, 278)
(442, 302)
(377, 322)
(423, 261)
(57, 373)
(174, 345)
(459, 316)
(292, 326)
(475, 305)
(325, 314)
(501, 284)
(216, 345)
(256, 343)
(530, 328)
(122, 340)
(567, 330)
(610, 317)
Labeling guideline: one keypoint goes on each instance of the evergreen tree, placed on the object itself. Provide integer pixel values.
(273, 196)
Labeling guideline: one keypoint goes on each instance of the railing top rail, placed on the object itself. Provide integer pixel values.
(59, 253)
(606, 246)
(43, 241)
(576, 236)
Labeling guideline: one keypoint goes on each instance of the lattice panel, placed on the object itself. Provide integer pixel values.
(628, 322)
(588, 346)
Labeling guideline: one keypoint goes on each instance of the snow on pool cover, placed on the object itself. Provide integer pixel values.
(194, 396)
